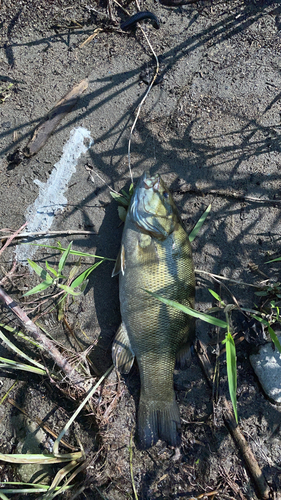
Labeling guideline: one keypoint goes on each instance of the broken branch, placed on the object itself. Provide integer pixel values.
(42, 340)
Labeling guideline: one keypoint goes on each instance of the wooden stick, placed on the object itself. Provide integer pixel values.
(241, 443)
(53, 118)
(42, 340)
(252, 465)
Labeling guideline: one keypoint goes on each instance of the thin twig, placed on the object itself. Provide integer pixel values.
(200, 271)
(43, 233)
(91, 37)
(11, 237)
(39, 337)
(100, 177)
(226, 194)
(142, 101)
(9, 274)
(121, 7)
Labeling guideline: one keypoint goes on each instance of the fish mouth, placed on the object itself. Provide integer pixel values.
(147, 182)
(142, 213)
(152, 182)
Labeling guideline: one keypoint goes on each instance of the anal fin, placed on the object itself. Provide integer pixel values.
(122, 354)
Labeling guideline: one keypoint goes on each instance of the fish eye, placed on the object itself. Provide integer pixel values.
(165, 194)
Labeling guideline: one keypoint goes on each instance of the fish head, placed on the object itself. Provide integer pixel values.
(152, 208)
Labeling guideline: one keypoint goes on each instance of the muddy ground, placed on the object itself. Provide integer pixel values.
(212, 128)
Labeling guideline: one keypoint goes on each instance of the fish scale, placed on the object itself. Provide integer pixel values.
(155, 256)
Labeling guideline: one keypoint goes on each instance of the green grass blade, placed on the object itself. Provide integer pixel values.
(38, 288)
(192, 312)
(13, 365)
(40, 271)
(19, 483)
(3, 496)
(72, 252)
(51, 269)
(215, 295)
(231, 371)
(122, 212)
(20, 334)
(199, 224)
(63, 258)
(274, 338)
(28, 491)
(19, 352)
(33, 488)
(274, 260)
(83, 276)
(271, 332)
(69, 290)
(120, 199)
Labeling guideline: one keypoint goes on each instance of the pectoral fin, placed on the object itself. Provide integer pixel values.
(120, 263)
(122, 354)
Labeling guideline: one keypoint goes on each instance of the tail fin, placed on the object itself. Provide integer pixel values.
(158, 420)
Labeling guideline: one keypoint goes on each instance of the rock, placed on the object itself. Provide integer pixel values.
(267, 366)
(30, 440)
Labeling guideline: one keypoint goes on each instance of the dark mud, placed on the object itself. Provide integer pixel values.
(212, 128)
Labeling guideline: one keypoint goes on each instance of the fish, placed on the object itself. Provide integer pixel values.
(155, 256)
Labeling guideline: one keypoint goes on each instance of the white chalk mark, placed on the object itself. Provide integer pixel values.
(40, 214)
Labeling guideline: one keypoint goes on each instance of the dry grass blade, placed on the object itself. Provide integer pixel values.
(13, 365)
(81, 406)
(242, 283)
(91, 37)
(131, 467)
(44, 458)
(71, 477)
(57, 480)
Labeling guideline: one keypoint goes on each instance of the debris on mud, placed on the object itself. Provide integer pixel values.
(212, 129)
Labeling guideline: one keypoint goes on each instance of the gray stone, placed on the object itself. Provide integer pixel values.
(267, 366)
(30, 441)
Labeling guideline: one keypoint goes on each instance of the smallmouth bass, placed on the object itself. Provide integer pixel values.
(155, 255)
